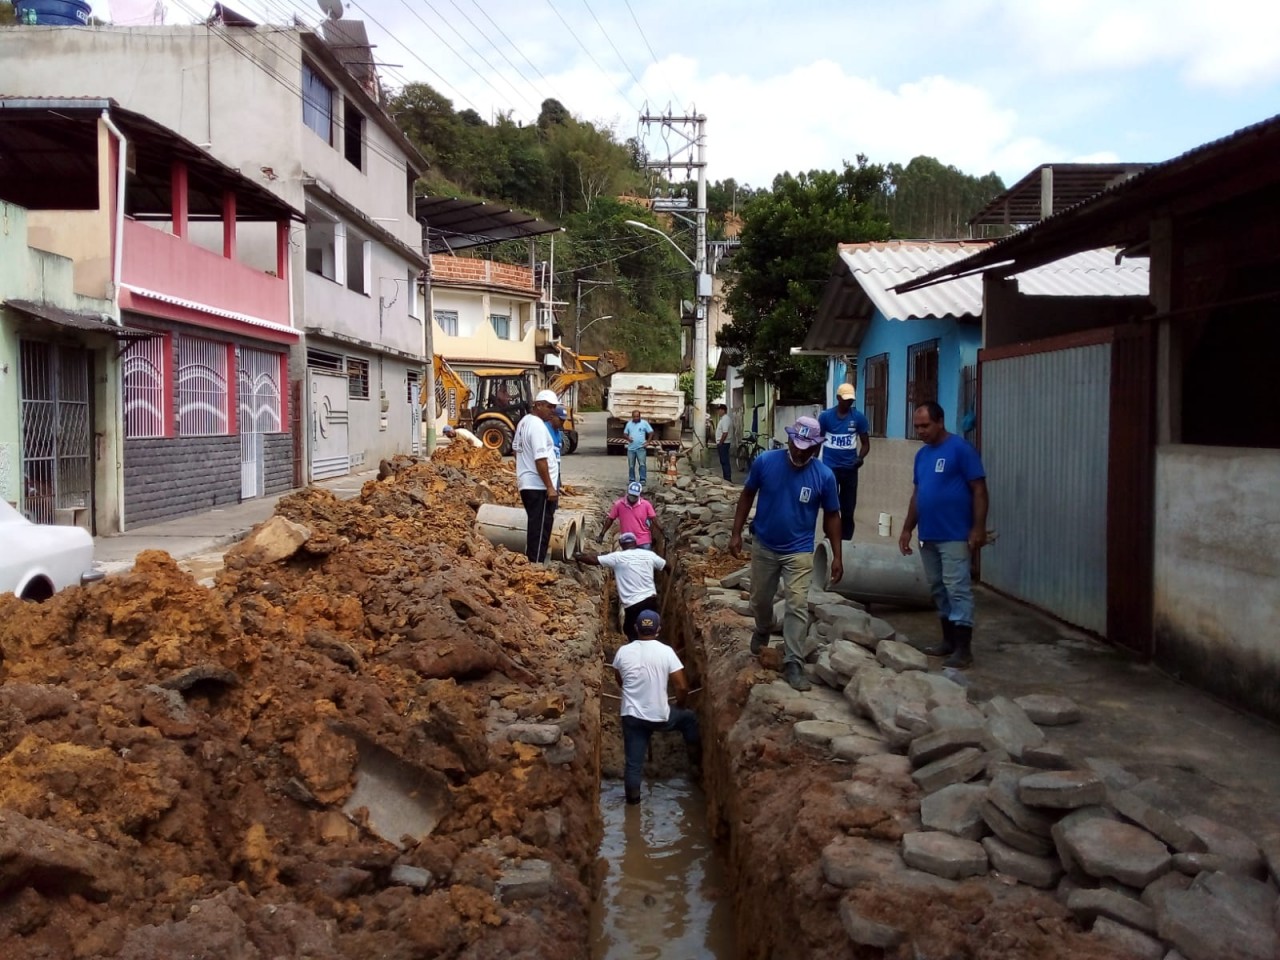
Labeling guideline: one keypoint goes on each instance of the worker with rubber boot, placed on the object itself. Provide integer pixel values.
(793, 485)
(644, 669)
(949, 504)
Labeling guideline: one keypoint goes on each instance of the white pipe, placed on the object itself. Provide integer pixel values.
(874, 573)
(122, 171)
(507, 527)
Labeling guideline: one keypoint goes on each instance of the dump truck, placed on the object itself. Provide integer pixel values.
(660, 401)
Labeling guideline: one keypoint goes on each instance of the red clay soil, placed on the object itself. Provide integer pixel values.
(174, 760)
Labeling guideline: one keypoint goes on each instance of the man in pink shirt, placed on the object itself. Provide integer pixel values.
(634, 514)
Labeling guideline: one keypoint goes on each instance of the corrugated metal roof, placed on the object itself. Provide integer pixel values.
(1093, 273)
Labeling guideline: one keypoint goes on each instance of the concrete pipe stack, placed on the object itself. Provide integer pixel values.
(508, 526)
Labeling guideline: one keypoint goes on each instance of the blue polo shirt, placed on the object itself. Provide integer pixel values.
(944, 502)
(637, 432)
(788, 500)
(841, 446)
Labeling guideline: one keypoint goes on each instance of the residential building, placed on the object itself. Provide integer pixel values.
(1133, 462)
(189, 409)
(300, 117)
(903, 349)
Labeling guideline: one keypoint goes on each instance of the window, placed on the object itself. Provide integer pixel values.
(322, 244)
(411, 284)
(875, 393)
(357, 379)
(142, 371)
(448, 321)
(411, 386)
(359, 262)
(202, 388)
(317, 104)
(411, 181)
(501, 325)
(352, 134)
(258, 386)
(922, 377)
(323, 360)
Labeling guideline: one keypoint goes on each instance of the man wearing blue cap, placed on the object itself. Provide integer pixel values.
(793, 485)
(635, 515)
(634, 575)
(643, 670)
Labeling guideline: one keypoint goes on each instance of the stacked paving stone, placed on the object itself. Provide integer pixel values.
(697, 511)
(997, 799)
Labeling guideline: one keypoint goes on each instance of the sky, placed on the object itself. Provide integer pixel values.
(792, 85)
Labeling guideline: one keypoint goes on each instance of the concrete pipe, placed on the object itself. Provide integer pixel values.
(508, 527)
(874, 573)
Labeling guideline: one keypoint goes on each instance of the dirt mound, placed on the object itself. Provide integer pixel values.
(226, 772)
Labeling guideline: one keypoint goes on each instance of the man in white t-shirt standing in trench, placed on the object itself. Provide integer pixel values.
(643, 669)
(634, 573)
(537, 474)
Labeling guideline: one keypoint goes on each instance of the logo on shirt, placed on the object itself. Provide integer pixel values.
(940, 466)
(806, 493)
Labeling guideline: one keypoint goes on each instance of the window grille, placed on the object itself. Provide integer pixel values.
(876, 393)
(142, 371)
(411, 386)
(922, 378)
(357, 379)
(202, 388)
(258, 379)
(448, 321)
(323, 360)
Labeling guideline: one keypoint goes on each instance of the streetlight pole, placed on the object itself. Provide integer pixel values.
(702, 279)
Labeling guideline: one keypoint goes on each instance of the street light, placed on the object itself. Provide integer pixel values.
(703, 290)
(577, 334)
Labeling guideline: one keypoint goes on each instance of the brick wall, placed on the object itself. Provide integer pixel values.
(168, 478)
(277, 471)
(472, 270)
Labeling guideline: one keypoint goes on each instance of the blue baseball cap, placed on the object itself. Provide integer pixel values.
(648, 623)
(561, 413)
(635, 489)
(627, 538)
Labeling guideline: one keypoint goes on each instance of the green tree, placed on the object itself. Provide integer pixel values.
(789, 239)
(929, 200)
(715, 388)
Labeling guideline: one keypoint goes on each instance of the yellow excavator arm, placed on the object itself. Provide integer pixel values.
(453, 396)
(581, 367)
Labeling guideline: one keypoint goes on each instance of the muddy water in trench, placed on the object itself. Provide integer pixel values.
(664, 893)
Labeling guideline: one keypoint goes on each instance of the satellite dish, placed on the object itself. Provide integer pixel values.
(331, 8)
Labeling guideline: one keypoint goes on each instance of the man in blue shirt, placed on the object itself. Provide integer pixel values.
(555, 426)
(949, 503)
(845, 448)
(793, 485)
(638, 433)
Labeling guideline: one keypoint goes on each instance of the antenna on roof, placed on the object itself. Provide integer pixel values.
(331, 8)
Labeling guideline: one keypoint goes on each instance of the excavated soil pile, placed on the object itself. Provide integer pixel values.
(370, 739)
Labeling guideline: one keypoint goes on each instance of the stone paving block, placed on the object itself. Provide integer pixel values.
(538, 734)
(1088, 905)
(1011, 833)
(405, 875)
(926, 749)
(911, 717)
(1062, 789)
(1135, 944)
(1040, 872)
(954, 810)
(958, 767)
(1003, 793)
(1009, 726)
(820, 733)
(881, 629)
(1047, 710)
(1227, 841)
(848, 861)
(839, 613)
(964, 715)
(866, 932)
(847, 658)
(1194, 864)
(825, 674)
(899, 656)
(942, 691)
(855, 746)
(1109, 848)
(944, 855)
(1059, 832)
(1255, 897)
(1113, 774)
(884, 765)
(738, 580)
(1202, 927)
(1159, 888)
(522, 881)
(1049, 756)
(1133, 806)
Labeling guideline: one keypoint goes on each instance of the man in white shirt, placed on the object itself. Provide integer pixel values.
(633, 573)
(463, 434)
(643, 669)
(723, 428)
(537, 474)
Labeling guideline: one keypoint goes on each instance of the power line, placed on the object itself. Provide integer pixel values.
(447, 23)
(502, 53)
(653, 56)
(590, 55)
(621, 59)
(516, 47)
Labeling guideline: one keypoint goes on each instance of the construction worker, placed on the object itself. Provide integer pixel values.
(634, 576)
(463, 434)
(635, 515)
(538, 474)
(643, 669)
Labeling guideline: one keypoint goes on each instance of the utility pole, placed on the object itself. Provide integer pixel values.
(692, 130)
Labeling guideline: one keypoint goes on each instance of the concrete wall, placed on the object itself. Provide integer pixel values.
(1217, 571)
(884, 486)
(957, 348)
(476, 340)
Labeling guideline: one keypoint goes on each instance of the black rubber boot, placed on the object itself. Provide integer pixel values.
(694, 750)
(632, 798)
(963, 655)
(948, 644)
(758, 643)
(794, 675)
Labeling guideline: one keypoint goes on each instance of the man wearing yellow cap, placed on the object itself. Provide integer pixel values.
(846, 446)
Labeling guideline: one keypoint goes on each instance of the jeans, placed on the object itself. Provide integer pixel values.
(796, 571)
(637, 465)
(946, 567)
(635, 742)
(629, 615)
(724, 449)
(541, 514)
(847, 489)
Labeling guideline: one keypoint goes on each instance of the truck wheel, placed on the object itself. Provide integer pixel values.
(571, 441)
(496, 436)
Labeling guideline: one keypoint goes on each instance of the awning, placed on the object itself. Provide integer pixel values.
(451, 224)
(86, 322)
